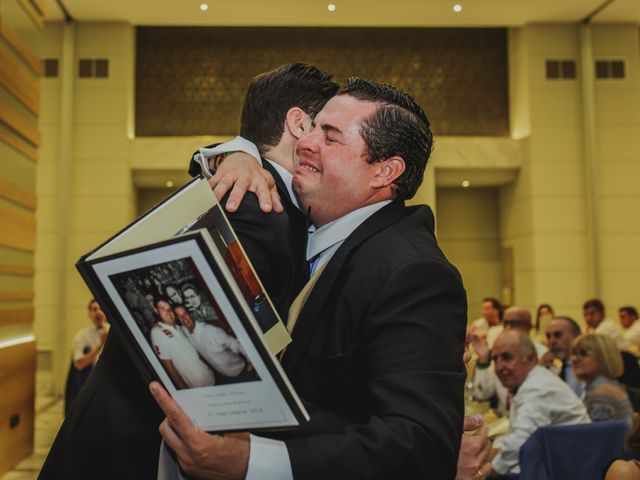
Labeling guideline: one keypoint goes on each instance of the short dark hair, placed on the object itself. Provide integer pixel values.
(91, 302)
(630, 311)
(594, 303)
(189, 286)
(576, 331)
(399, 127)
(161, 298)
(495, 303)
(272, 94)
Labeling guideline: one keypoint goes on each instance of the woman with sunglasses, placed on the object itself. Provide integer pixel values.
(597, 361)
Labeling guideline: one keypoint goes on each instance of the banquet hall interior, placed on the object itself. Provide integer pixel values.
(534, 180)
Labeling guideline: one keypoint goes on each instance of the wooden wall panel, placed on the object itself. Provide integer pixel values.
(20, 46)
(23, 126)
(19, 145)
(19, 230)
(17, 270)
(15, 316)
(34, 15)
(18, 195)
(19, 81)
(17, 384)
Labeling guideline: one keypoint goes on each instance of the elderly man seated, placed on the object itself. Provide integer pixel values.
(538, 397)
(486, 384)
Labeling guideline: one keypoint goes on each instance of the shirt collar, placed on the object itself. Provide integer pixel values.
(287, 178)
(336, 232)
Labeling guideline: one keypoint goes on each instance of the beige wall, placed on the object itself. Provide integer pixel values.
(99, 187)
(617, 104)
(539, 174)
(469, 235)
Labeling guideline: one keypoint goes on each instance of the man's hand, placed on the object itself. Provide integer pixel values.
(481, 347)
(241, 173)
(547, 358)
(473, 459)
(199, 453)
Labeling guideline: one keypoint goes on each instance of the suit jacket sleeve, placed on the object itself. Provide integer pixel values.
(407, 362)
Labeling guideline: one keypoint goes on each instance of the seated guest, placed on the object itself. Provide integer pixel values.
(538, 397)
(488, 326)
(628, 466)
(544, 314)
(486, 384)
(594, 317)
(560, 333)
(597, 361)
(629, 320)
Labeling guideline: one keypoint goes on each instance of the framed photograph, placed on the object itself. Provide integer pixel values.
(187, 314)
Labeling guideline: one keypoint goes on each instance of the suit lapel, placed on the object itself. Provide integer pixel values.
(311, 311)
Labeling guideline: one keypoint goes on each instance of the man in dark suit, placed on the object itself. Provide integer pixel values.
(111, 431)
(377, 346)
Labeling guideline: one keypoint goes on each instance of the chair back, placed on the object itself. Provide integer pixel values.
(566, 452)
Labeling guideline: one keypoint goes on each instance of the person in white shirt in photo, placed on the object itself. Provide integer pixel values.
(221, 351)
(177, 355)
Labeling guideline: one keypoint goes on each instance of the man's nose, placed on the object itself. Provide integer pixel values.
(308, 143)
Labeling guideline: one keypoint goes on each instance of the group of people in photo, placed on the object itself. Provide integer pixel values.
(184, 326)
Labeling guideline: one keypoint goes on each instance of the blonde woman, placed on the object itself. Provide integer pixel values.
(597, 361)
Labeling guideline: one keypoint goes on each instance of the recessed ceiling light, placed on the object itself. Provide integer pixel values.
(465, 183)
(204, 7)
(457, 8)
(169, 184)
(331, 7)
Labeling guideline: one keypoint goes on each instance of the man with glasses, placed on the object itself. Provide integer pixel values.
(560, 333)
(538, 397)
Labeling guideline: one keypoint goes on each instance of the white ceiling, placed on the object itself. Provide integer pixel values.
(384, 13)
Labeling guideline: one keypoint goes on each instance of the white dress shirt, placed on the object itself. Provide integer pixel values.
(632, 334)
(613, 330)
(543, 399)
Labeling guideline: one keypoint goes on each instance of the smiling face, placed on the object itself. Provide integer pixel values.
(191, 299)
(166, 312)
(333, 176)
(185, 318)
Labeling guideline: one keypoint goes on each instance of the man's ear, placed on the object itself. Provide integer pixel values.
(388, 172)
(297, 122)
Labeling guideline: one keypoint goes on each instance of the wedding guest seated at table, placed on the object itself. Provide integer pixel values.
(560, 333)
(597, 361)
(486, 383)
(597, 322)
(538, 398)
(627, 467)
(629, 320)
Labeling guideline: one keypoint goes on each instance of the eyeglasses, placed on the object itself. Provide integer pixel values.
(554, 334)
(582, 353)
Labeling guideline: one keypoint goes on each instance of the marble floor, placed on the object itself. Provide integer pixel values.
(49, 413)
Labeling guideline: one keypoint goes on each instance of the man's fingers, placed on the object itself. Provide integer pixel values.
(484, 453)
(171, 438)
(176, 418)
(264, 196)
(240, 188)
(220, 184)
(472, 422)
(275, 199)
